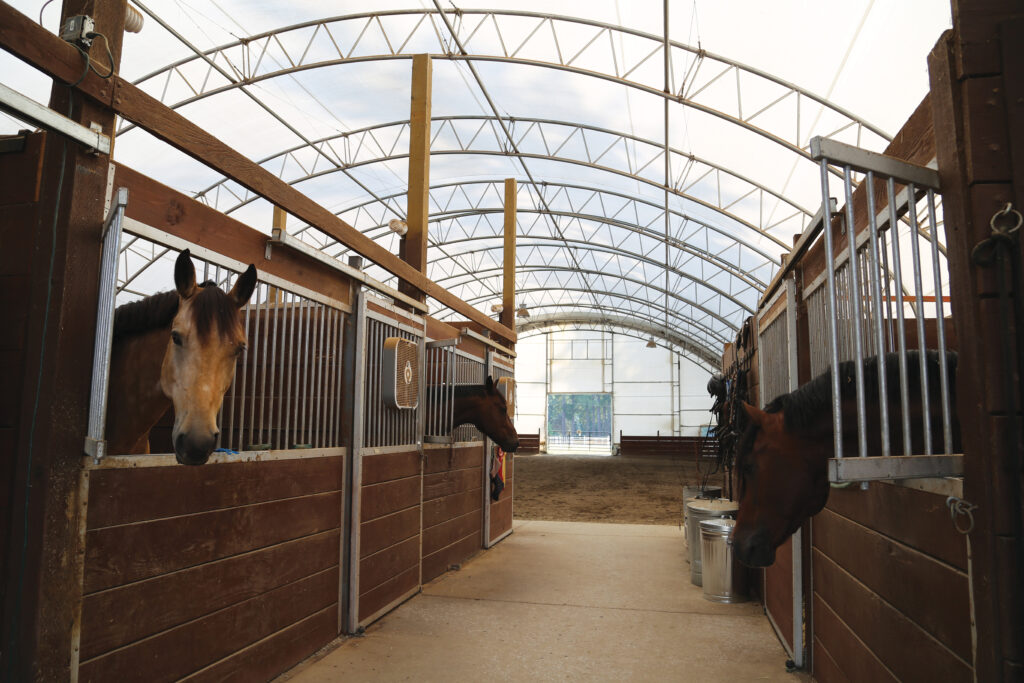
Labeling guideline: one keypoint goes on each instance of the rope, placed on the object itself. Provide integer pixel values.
(958, 507)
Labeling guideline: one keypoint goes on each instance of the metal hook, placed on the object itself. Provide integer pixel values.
(957, 507)
(1006, 211)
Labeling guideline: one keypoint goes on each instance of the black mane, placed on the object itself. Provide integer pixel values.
(804, 407)
(211, 306)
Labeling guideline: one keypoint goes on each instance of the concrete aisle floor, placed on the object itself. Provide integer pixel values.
(561, 601)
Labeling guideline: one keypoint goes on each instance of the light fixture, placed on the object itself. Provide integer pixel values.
(497, 308)
(650, 343)
(522, 312)
(398, 227)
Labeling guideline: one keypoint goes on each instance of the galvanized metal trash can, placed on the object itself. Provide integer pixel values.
(696, 511)
(724, 577)
(694, 493)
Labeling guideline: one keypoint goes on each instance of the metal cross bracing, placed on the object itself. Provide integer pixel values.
(703, 82)
(772, 216)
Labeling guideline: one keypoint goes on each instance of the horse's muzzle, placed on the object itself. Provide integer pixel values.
(510, 447)
(754, 550)
(189, 450)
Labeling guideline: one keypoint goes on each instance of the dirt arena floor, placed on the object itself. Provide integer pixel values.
(580, 488)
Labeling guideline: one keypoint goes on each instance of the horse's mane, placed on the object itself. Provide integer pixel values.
(804, 407)
(211, 306)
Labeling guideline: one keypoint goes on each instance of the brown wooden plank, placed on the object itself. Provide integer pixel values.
(389, 466)
(901, 645)
(851, 659)
(192, 646)
(441, 535)
(905, 578)
(389, 497)
(124, 496)
(446, 459)
(394, 588)
(119, 555)
(778, 590)
(437, 563)
(265, 659)
(388, 530)
(385, 564)
(161, 207)
(442, 509)
(501, 516)
(986, 140)
(115, 617)
(916, 518)
(825, 668)
(438, 330)
(446, 483)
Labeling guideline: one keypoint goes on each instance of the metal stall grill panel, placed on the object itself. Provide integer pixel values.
(773, 355)
(287, 388)
(385, 425)
(473, 371)
(500, 369)
(286, 392)
(439, 389)
(876, 303)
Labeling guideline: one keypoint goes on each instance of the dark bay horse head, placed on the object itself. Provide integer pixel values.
(206, 338)
(484, 407)
(783, 481)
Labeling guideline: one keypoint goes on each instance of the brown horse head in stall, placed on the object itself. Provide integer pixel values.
(484, 407)
(176, 348)
(782, 457)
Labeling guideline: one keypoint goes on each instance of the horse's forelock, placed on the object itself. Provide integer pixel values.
(211, 309)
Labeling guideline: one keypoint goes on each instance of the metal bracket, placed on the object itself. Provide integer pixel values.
(882, 468)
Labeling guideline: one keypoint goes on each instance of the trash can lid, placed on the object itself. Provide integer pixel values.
(713, 505)
(720, 525)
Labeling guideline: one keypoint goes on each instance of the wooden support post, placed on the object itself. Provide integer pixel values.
(508, 292)
(976, 134)
(43, 600)
(413, 247)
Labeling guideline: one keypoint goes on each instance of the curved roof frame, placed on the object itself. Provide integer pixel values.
(657, 325)
(593, 193)
(629, 327)
(249, 55)
(382, 139)
(588, 271)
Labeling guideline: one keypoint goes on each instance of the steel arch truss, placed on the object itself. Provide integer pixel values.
(740, 94)
(744, 201)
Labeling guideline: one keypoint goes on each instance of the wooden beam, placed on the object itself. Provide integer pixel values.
(37, 46)
(413, 248)
(508, 292)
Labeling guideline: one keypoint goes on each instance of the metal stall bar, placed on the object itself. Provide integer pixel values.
(358, 410)
(837, 416)
(915, 251)
(95, 443)
(854, 298)
(876, 298)
(799, 645)
(901, 330)
(486, 468)
(940, 324)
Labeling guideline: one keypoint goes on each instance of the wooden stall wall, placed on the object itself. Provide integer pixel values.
(225, 570)
(891, 596)
(452, 506)
(389, 533)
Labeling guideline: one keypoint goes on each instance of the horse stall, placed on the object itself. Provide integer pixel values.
(881, 590)
(246, 565)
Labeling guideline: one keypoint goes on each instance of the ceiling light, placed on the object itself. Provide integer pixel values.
(397, 226)
(650, 343)
(522, 312)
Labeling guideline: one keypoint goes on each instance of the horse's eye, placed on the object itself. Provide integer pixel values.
(240, 349)
(176, 338)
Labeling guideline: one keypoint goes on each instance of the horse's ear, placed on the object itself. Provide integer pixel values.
(489, 384)
(185, 275)
(244, 286)
(756, 415)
